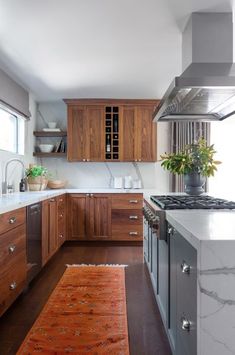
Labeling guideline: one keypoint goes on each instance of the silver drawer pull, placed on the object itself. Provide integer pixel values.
(133, 233)
(12, 248)
(185, 268)
(12, 220)
(133, 217)
(13, 285)
(61, 235)
(133, 201)
(61, 215)
(185, 324)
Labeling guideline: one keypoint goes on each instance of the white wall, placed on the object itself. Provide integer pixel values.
(222, 136)
(82, 175)
(15, 170)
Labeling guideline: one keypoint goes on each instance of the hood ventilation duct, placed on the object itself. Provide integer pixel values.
(206, 89)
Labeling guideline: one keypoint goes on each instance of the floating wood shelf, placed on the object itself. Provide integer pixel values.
(49, 155)
(50, 134)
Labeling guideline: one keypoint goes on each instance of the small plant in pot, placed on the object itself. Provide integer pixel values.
(37, 177)
(196, 162)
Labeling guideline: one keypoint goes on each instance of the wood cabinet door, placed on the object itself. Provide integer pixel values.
(77, 213)
(61, 219)
(99, 216)
(128, 133)
(77, 133)
(145, 134)
(53, 240)
(95, 133)
(49, 229)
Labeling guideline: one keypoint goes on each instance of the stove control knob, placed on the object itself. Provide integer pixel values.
(170, 231)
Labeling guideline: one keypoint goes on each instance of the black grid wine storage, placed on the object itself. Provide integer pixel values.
(111, 132)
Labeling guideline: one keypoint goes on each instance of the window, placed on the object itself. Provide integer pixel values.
(12, 131)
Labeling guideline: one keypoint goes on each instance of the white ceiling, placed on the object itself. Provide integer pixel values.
(89, 48)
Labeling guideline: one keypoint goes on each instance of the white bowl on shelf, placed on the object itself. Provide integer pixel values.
(46, 148)
(52, 124)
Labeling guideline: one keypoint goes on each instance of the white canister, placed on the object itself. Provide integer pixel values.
(128, 182)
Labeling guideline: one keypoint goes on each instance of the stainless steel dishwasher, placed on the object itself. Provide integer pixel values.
(34, 240)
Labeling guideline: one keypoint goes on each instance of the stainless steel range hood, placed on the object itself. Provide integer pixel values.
(206, 89)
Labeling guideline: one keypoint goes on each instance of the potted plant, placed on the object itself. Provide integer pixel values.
(196, 162)
(37, 177)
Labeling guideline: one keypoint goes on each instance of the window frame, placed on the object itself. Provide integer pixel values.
(17, 117)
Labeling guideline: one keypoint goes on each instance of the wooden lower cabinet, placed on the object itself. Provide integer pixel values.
(89, 216)
(49, 229)
(105, 217)
(13, 266)
(61, 219)
(127, 218)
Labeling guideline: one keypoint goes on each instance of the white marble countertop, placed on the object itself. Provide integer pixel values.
(203, 225)
(16, 200)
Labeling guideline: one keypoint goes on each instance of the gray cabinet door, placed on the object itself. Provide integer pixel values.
(155, 263)
(163, 278)
(186, 296)
(172, 291)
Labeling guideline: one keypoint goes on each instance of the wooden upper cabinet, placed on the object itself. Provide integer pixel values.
(111, 130)
(128, 133)
(77, 133)
(145, 134)
(85, 133)
(95, 133)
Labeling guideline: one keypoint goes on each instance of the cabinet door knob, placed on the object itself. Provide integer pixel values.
(133, 201)
(88, 160)
(133, 217)
(13, 285)
(83, 159)
(185, 268)
(12, 248)
(12, 220)
(91, 195)
(185, 324)
(61, 235)
(52, 200)
(136, 159)
(87, 195)
(139, 159)
(133, 233)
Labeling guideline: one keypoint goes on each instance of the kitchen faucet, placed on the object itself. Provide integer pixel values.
(5, 184)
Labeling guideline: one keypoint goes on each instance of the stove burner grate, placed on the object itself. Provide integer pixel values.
(172, 202)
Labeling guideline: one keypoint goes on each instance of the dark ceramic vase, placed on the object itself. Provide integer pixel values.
(194, 183)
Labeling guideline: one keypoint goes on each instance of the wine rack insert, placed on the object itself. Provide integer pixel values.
(112, 132)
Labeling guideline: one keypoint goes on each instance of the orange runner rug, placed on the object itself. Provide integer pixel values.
(85, 314)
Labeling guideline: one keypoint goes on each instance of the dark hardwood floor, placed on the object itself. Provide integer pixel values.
(146, 331)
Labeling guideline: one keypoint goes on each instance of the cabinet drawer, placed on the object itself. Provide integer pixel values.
(12, 243)
(12, 281)
(10, 220)
(122, 232)
(130, 201)
(127, 217)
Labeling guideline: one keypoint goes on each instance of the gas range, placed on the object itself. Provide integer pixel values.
(175, 202)
(155, 215)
